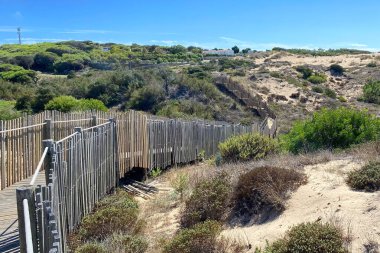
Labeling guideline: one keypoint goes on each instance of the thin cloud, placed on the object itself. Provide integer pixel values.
(12, 29)
(87, 32)
(18, 15)
(165, 42)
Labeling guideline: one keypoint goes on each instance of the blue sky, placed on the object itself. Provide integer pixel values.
(258, 24)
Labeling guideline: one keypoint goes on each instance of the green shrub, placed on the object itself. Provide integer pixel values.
(146, 98)
(8, 111)
(63, 104)
(180, 184)
(367, 178)
(372, 64)
(317, 78)
(309, 237)
(342, 99)
(92, 104)
(330, 93)
(44, 62)
(251, 146)
(276, 74)
(200, 238)
(336, 70)
(91, 248)
(118, 214)
(305, 71)
(69, 104)
(329, 129)
(317, 89)
(371, 92)
(208, 201)
(261, 193)
(126, 244)
(17, 74)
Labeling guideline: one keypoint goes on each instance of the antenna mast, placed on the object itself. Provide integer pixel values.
(19, 35)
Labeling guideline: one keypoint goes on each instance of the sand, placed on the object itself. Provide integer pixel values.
(325, 197)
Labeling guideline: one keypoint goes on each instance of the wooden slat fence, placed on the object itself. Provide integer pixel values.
(144, 141)
(87, 162)
(248, 98)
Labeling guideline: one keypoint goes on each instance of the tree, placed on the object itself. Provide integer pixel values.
(44, 62)
(235, 49)
(245, 51)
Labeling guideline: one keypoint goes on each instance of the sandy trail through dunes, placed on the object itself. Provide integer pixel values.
(325, 196)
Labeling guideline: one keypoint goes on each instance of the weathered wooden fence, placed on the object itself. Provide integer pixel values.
(248, 98)
(144, 141)
(80, 169)
(86, 164)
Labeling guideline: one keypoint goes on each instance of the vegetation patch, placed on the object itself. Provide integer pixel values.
(209, 201)
(311, 237)
(203, 237)
(261, 193)
(69, 104)
(8, 111)
(117, 214)
(367, 178)
(371, 92)
(251, 146)
(336, 70)
(317, 78)
(330, 129)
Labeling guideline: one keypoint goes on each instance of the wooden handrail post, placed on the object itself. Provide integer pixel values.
(27, 223)
(47, 130)
(49, 159)
(94, 120)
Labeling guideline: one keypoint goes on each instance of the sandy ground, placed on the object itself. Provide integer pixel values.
(345, 60)
(326, 197)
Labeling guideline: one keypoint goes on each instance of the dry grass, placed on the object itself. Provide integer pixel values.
(261, 193)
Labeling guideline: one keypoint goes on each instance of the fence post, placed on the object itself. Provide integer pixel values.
(49, 159)
(115, 150)
(27, 224)
(47, 130)
(94, 120)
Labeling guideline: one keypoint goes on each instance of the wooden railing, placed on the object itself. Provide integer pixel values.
(248, 98)
(142, 139)
(84, 166)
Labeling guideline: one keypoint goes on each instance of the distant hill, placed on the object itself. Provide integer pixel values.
(63, 57)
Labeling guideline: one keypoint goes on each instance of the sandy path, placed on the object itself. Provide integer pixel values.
(325, 196)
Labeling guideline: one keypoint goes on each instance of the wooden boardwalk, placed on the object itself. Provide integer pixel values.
(9, 239)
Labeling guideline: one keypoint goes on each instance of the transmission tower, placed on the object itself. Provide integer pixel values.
(19, 35)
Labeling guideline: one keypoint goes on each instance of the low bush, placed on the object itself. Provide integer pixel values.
(372, 64)
(8, 111)
(117, 214)
(126, 244)
(311, 237)
(261, 193)
(91, 248)
(17, 74)
(146, 98)
(251, 146)
(371, 92)
(330, 93)
(208, 201)
(305, 71)
(336, 70)
(200, 238)
(342, 99)
(317, 78)
(367, 178)
(317, 89)
(276, 74)
(69, 104)
(330, 129)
